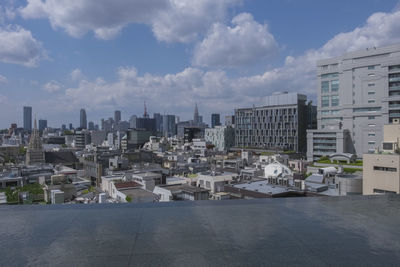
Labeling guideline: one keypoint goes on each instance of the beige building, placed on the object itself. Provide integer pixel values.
(381, 172)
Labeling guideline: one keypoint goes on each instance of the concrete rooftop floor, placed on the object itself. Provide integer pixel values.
(320, 231)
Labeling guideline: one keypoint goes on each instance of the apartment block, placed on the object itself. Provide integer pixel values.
(357, 92)
(381, 172)
(222, 137)
(279, 124)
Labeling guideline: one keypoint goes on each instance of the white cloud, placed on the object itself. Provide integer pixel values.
(18, 46)
(171, 20)
(185, 20)
(77, 75)
(244, 43)
(52, 86)
(3, 79)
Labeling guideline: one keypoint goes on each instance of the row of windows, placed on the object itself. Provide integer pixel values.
(329, 75)
(332, 112)
(334, 101)
(385, 169)
(334, 86)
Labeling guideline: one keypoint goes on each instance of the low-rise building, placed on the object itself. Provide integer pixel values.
(167, 193)
(214, 181)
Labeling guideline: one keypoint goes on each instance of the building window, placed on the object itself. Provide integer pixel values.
(371, 125)
(380, 191)
(371, 142)
(371, 75)
(371, 134)
(325, 112)
(370, 101)
(329, 75)
(325, 101)
(385, 169)
(324, 86)
(366, 109)
(335, 111)
(371, 117)
(371, 84)
(371, 67)
(371, 92)
(335, 101)
(334, 85)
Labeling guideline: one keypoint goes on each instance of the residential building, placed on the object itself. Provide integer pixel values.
(381, 170)
(28, 119)
(81, 139)
(358, 92)
(214, 181)
(222, 137)
(279, 124)
(83, 119)
(215, 120)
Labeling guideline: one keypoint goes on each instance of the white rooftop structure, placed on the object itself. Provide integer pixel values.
(276, 169)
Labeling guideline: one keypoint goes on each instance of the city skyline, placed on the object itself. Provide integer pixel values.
(63, 68)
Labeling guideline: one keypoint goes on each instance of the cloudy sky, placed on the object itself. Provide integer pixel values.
(61, 55)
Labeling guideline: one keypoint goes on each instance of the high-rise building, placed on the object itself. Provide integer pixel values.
(169, 126)
(42, 125)
(196, 118)
(34, 152)
(91, 126)
(132, 122)
(117, 116)
(70, 126)
(83, 119)
(279, 124)
(28, 118)
(215, 120)
(159, 121)
(63, 127)
(358, 93)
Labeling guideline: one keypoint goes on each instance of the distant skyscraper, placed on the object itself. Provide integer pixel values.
(196, 118)
(63, 127)
(83, 119)
(28, 118)
(91, 125)
(42, 125)
(159, 121)
(132, 122)
(215, 120)
(169, 126)
(70, 126)
(117, 116)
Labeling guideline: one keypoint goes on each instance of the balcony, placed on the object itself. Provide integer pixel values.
(394, 79)
(394, 88)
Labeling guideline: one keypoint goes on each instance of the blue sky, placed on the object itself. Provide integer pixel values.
(59, 55)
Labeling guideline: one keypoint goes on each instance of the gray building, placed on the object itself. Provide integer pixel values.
(28, 118)
(159, 121)
(42, 125)
(83, 119)
(117, 116)
(91, 125)
(215, 120)
(222, 137)
(357, 92)
(279, 124)
(229, 120)
(168, 126)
